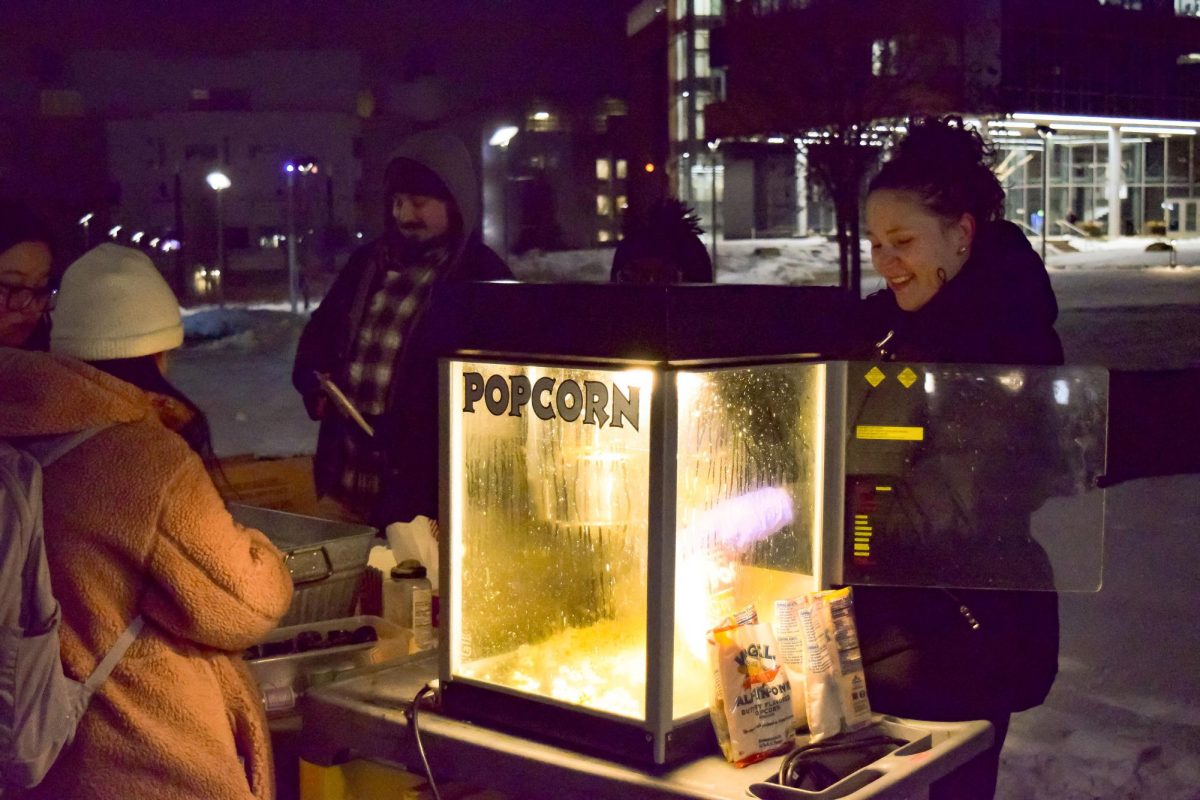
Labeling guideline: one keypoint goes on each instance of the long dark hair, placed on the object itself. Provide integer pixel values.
(143, 372)
(947, 165)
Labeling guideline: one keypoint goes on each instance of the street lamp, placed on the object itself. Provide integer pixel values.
(218, 181)
(1045, 131)
(501, 138)
(299, 166)
(713, 146)
(85, 220)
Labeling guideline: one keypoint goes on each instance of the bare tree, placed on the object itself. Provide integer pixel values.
(826, 73)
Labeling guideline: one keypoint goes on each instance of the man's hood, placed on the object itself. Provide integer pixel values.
(43, 394)
(446, 155)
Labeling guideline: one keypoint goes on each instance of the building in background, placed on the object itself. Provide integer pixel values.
(171, 122)
(113, 114)
(556, 176)
(137, 133)
(1114, 87)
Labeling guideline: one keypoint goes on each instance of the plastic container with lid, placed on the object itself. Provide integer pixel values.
(408, 601)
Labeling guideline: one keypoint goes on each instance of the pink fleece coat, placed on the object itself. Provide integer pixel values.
(135, 525)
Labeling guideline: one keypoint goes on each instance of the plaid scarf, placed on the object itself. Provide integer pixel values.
(382, 336)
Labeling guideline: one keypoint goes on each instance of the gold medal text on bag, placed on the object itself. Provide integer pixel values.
(589, 402)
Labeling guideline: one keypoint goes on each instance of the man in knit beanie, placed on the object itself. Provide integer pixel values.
(114, 304)
(374, 337)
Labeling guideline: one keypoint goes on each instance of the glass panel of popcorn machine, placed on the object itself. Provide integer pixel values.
(747, 504)
(549, 490)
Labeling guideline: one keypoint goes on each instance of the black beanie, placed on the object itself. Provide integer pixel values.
(406, 176)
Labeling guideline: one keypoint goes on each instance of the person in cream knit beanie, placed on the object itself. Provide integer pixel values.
(114, 304)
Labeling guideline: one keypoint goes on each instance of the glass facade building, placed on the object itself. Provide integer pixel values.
(1112, 81)
(697, 176)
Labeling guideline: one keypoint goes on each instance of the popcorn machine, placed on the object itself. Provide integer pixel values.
(599, 515)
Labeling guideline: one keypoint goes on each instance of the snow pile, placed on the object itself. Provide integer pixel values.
(237, 366)
(1123, 718)
(808, 260)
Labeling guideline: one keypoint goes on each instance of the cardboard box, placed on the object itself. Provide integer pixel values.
(284, 484)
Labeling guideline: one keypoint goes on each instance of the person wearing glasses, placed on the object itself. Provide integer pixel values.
(135, 527)
(27, 292)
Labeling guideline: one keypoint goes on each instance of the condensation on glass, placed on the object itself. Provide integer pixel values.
(550, 584)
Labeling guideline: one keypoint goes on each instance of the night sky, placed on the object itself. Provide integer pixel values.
(507, 50)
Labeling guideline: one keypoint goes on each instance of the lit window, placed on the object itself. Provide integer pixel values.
(883, 57)
(603, 236)
(603, 205)
(679, 126)
(622, 203)
(702, 100)
(543, 121)
(622, 169)
(701, 64)
(603, 172)
(706, 8)
(679, 57)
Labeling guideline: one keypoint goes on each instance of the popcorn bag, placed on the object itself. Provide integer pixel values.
(835, 687)
(751, 705)
(790, 637)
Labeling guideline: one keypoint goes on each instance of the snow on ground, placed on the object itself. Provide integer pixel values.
(1123, 719)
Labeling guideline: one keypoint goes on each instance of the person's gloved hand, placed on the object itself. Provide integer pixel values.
(316, 404)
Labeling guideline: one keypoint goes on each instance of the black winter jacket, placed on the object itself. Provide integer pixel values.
(407, 432)
(923, 658)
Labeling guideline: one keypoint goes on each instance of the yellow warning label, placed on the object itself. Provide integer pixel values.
(875, 376)
(907, 377)
(891, 433)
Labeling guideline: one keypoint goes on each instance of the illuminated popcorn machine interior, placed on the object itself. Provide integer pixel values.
(600, 518)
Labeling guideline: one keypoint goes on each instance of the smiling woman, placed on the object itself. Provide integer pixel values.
(963, 286)
(26, 293)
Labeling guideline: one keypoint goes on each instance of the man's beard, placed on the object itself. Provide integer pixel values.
(406, 245)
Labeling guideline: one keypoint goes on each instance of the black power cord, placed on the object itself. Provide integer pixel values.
(806, 768)
(427, 689)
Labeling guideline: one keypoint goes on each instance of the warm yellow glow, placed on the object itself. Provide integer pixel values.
(457, 510)
(817, 415)
(703, 595)
(1013, 381)
(649, 167)
(642, 379)
(602, 666)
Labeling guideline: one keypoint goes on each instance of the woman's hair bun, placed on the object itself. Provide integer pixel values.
(946, 139)
(948, 164)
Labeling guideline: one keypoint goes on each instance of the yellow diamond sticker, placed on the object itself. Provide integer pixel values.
(875, 376)
(907, 377)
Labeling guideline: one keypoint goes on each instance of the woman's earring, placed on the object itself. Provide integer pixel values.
(962, 249)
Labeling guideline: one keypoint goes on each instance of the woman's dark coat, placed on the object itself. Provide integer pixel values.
(922, 657)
